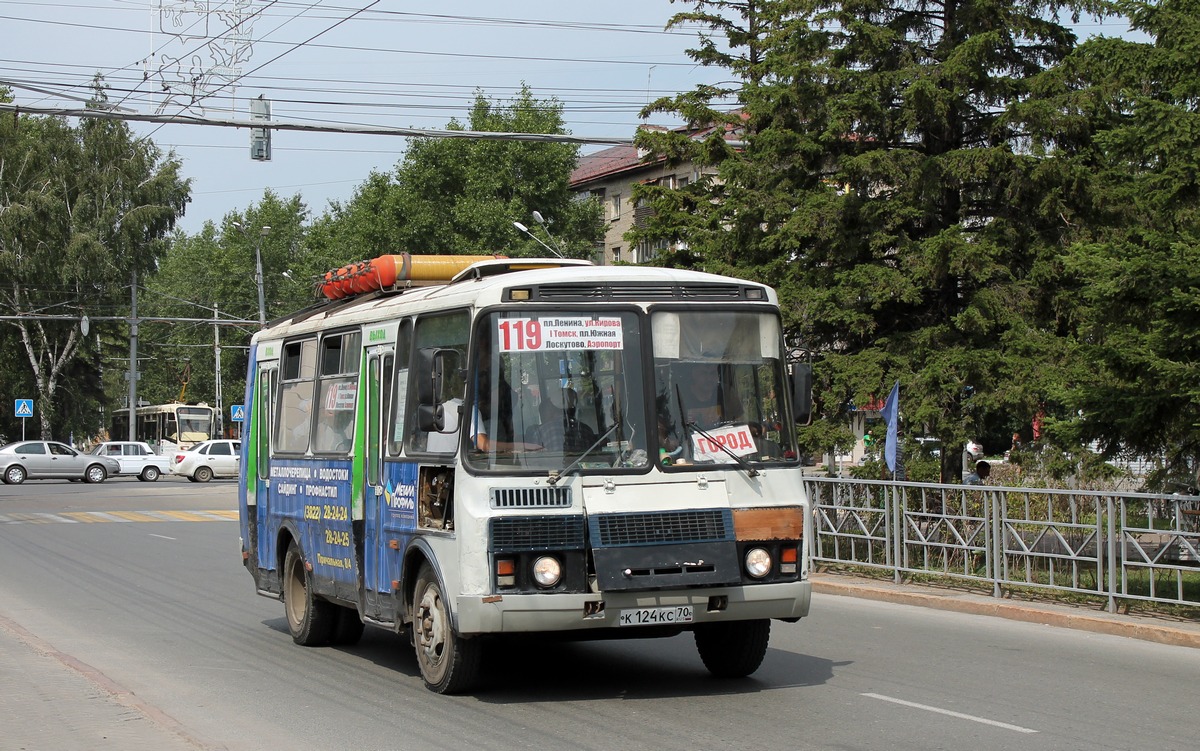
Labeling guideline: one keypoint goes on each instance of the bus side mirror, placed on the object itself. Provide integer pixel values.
(433, 366)
(801, 378)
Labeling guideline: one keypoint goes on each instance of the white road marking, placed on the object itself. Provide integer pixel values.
(959, 715)
(163, 537)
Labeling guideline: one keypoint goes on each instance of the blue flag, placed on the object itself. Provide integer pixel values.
(891, 416)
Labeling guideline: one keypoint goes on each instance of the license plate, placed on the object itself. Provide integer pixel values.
(655, 616)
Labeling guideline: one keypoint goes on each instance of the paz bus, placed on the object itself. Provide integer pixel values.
(456, 448)
(168, 427)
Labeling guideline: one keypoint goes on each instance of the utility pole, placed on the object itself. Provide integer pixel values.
(133, 361)
(217, 358)
(258, 270)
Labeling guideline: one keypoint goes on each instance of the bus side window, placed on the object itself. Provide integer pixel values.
(341, 355)
(447, 335)
(296, 396)
(399, 405)
(262, 416)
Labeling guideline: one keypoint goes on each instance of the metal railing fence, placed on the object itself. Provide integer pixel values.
(1118, 545)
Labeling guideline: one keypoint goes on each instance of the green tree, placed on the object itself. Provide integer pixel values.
(1131, 276)
(462, 195)
(880, 179)
(82, 210)
(211, 275)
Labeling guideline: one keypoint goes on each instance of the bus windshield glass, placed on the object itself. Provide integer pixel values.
(719, 382)
(550, 387)
(195, 424)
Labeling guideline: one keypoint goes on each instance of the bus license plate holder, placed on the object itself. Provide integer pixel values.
(667, 615)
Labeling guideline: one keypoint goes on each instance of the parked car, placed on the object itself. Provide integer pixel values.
(136, 458)
(218, 458)
(51, 460)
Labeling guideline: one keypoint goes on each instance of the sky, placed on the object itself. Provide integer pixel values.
(350, 62)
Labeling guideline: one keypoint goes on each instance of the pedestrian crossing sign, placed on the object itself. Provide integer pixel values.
(23, 407)
(237, 413)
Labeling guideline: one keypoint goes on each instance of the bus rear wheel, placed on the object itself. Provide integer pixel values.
(311, 620)
(733, 649)
(448, 662)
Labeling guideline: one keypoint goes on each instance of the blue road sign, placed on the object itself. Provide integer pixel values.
(237, 412)
(23, 407)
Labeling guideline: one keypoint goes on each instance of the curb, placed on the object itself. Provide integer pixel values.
(1061, 617)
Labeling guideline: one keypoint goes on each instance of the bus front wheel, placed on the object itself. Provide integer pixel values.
(448, 662)
(733, 649)
(311, 620)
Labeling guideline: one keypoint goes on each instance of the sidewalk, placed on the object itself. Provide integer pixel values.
(52, 702)
(1180, 633)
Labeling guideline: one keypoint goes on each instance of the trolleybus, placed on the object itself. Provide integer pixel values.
(168, 427)
(526, 446)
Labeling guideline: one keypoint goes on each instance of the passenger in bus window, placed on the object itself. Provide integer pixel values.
(492, 413)
(337, 431)
(560, 429)
(706, 401)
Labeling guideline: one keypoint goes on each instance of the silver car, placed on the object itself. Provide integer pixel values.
(51, 460)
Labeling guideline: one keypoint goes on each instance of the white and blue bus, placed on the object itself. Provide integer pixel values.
(526, 446)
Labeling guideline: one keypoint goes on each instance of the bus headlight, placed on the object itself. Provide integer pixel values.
(547, 571)
(758, 562)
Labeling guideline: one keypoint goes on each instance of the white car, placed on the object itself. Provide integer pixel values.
(218, 458)
(136, 458)
(50, 460)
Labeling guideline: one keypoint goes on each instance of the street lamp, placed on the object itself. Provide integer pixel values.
(538, 218)
(258, 274)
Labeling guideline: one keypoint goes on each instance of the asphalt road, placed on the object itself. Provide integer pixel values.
(121, 632)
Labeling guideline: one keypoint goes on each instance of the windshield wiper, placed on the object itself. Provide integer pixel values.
(751, 471)
(556, 475)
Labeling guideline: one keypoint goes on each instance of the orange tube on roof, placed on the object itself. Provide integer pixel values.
(386, 271)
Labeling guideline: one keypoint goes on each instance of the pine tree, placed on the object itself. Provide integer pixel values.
(884, 185)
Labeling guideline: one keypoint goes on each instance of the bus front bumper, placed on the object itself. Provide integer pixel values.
(517, 613)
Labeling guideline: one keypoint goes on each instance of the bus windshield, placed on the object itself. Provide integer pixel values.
(551, 387)
(195, 424)
(719, 383)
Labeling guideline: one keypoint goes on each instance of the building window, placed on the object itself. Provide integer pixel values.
(614, 208)
(648, 250)
(616, 254)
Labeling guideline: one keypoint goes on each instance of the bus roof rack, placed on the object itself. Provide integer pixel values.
(488, 268)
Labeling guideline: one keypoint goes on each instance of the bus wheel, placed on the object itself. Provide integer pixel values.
(311, 621)
(349, 628)
(733, 649)
(449, 663)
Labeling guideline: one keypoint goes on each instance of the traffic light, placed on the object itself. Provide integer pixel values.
(260, 138)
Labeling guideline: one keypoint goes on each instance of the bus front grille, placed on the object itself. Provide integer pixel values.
(531, 497)
(638, 291)
(654, 528)
(512, 534)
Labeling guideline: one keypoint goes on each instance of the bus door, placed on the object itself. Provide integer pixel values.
(258, 473)
(376, 575)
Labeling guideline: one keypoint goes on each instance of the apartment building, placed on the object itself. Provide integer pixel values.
(610, 175)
